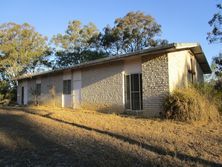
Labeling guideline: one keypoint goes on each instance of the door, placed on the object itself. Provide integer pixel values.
(22, 98)
(133, 94)
(66, 97)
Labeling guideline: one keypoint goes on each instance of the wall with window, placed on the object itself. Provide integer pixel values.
(183, 69)
(51, 90)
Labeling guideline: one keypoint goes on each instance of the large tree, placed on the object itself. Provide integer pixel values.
(77, 45)
(215, 36)
(133, 32)
(20, 47)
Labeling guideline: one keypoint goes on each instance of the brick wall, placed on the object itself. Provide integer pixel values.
(102, 87)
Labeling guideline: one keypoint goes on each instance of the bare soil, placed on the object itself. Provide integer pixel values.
(44, 136)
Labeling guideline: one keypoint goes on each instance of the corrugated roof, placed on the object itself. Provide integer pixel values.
(194, 47)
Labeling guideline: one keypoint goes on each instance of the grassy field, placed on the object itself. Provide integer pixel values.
(43, 136)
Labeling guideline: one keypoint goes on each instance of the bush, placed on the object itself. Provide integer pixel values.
(7, 93)
(188, 104)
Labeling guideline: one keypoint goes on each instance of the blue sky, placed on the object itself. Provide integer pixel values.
(181, 20)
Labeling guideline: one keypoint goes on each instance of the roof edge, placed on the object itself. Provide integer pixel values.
(194, 47)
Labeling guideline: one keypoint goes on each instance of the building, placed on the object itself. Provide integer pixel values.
(135, 82)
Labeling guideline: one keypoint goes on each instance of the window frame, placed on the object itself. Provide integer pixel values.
(140, 91)
(38, 88)
(67, 88)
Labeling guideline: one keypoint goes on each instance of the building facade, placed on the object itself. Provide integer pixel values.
(135, 82)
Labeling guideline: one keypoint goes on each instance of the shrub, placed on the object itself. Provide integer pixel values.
(188, 104)
(7, 93)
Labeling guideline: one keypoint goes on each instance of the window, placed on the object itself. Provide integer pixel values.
(38, 89)
(66, 86)
(133, 94)
(192, 70)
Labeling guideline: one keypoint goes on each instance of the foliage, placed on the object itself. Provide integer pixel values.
(133, 32)
(215, 36)
(212, 91)
(20, 46)
(82, 43)
(188, 104)
(68, 59)
(77, 37)
(216, 33)
(217, 65)
(77, 45)
(7, 93)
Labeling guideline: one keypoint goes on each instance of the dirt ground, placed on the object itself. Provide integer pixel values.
(44, 136)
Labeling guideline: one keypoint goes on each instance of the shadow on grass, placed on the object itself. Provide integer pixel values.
(44, 150)
(155, 149)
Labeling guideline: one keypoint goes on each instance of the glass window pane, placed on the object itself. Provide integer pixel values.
(135, 101)
(127, 86)
(67, 87)
(134, 82)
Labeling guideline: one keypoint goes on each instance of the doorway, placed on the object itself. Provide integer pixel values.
(133, 92)
(22, 98)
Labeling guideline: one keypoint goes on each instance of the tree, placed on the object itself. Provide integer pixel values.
(20, 46)
(216, 33)
(67, 59)
(215, 36)
(77, 45)
(217, 65)
(133, 32)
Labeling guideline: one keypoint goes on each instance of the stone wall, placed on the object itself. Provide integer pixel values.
(102, 87)
(155, 83)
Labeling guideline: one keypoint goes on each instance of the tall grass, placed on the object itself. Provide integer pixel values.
(189, 104)
(213, 92)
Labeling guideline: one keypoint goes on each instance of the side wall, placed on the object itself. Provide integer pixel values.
(51, 90)
(155, 83)
(179, 64)
(102, 87)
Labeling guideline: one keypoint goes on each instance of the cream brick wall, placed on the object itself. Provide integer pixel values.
(155, 83)
(102, 87)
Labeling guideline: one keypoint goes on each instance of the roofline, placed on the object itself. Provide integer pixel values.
(159, 49)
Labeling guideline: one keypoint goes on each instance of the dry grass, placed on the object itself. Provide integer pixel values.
(188, 104)
(89, 138)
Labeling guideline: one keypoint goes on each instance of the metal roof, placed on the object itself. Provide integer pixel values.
(194, 47)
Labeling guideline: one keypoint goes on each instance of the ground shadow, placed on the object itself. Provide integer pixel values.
(155, 149)
(44, 151)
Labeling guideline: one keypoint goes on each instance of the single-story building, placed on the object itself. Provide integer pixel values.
(130, 82)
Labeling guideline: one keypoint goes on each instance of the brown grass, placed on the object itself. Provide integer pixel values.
(188, 104)
(109, 140)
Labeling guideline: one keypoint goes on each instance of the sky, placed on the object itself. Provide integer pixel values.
(181, 20)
